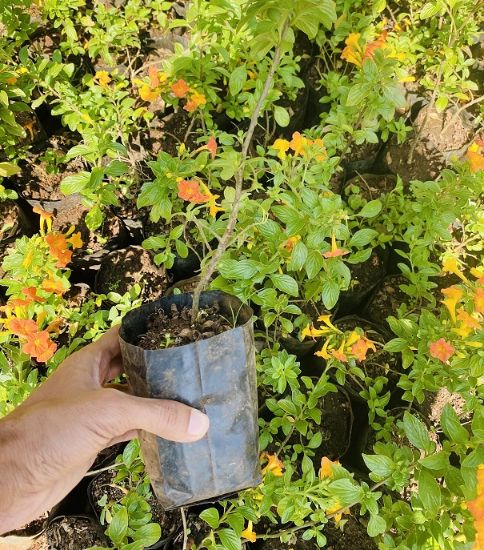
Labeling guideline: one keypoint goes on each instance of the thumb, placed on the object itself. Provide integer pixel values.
(167, 419)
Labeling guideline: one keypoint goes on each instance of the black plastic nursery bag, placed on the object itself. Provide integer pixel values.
(217, 376)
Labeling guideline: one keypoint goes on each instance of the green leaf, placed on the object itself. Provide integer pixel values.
(363, 237)
(181, 248)
(330, 294)
(298, 256)
(357, 94)
(380, 465)
(238, 269)
(313, 264)
(94, 218)
(285, 283)
(416, 432)
(437, 461)
(118, 529)
(237, 80)
(376, 526)
(451, 425)
(75, 184)
(282, 116)
(116, 168)
(211, 516)
(8, 169)
(441, 103)
(148, 534)
(371, 209)
(130, 452)
(396, 345)
(97, 176)
(429, 492)
(229, 539)
(315, 441)
(346, 491)
(430, 9)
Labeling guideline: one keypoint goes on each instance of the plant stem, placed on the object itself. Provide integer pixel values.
(185, 528)
(239, 180)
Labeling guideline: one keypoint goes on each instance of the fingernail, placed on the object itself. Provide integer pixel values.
(198, 424)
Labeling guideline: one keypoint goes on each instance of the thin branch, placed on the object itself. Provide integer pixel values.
(239, 180)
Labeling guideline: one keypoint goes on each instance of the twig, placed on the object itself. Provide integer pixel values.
(460, 110)
(239, 179)
(185, 528)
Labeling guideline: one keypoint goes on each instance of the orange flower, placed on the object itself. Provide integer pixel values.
(335, 251)
(290, 243)
(18, 302)
(339, 355)
(53, 285)
(361, 347)
(475, 156)
(189, 190)
(274, 465)
(479, 300)
(375, 45)
(211, 147)
(196, 100)
(326, 469)
(476, 508)
(180, 88)
(442, 350)
(336, 507)
(453, 295)
(154, 78)
(58, 248)
(76, 240)
(31, 293)
(478, 273)
(249, 533)
(21, 327)
(39, 346)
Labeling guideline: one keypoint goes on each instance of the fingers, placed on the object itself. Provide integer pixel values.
(168, 419)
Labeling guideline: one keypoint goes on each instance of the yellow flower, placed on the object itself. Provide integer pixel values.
(478, 273)
(281, 146)
(353, 52)
(326, 319)
(324, 351)
(453, 295)
(274, 465)
(76, 240)
(313, 332)
(102, 78)
(468, 324)
(336, 507)
(45, 219)
(450, 265)
(352, 339)
(147, 94)
(326, 470)
(213, 206)
(249, 533)
(298, 143)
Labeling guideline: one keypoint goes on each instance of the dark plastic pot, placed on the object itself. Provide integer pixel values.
(217, 376)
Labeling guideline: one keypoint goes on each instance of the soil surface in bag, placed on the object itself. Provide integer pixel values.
(216, 375)
(167, 330)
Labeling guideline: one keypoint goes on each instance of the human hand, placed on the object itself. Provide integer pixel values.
(49, 442)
